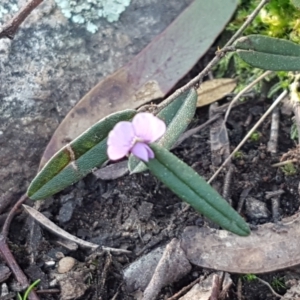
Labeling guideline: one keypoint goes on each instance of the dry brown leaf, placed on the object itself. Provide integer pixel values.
(213, 90)
(151, 74)
(270, 248)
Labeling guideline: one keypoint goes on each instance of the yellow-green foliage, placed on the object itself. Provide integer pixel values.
(249, 277)
(255, 136)
(289, 169)
(238, 155)
(282, 19)
(279, 18)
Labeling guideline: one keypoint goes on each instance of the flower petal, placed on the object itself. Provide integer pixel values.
(142, 151)
(120, 140)
(148, 127)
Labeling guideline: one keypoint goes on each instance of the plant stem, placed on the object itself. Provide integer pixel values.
(10, 29)
(219, 54)
(6, 253)
(275, 103)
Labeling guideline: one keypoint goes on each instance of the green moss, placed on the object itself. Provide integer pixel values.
(238, 155)
(278, 283)
(255, 136)
(249, 277)
(279, 18)
(289, 169)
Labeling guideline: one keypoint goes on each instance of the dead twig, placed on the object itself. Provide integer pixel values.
(6, 253)
(39, 217)
(185, 289)
(242, 199)
(215, 292)
(275, 103)
(219, 142)
(275, 202)
(273, 142)
(278, 193)
(269, 286)
(239, 289)
(10, 29)
(244, 90)
(228, 183)
(283, 163)
(193, 131)
(49, 291)
(11, 215)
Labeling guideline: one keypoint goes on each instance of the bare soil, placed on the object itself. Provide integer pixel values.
(138, 213)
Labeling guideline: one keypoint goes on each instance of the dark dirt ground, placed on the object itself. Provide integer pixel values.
(138, 213)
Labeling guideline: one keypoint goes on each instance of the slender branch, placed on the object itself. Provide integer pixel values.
(274, 132)
(185, 289)
(6, 253)
(275, 103)
(11, 215)
(216, 287)
(10, 29)
(244, 90)
(247, 22)
(221, 53)
(283, 163)
(269, 286)
(13, 265)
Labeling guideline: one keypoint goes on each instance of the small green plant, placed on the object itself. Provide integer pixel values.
(280, 19)
(278, 283)
(238, 155)
(29, 289)
(289, 169)
(255, 136)
(249, 277)
(294, 132)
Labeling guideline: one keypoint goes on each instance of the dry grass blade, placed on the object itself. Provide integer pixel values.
(275, 103)
(243, 91)
(40, 218)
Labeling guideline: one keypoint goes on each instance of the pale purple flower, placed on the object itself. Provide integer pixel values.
(135, 136)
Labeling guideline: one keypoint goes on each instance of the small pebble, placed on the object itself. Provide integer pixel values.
(256, 209)
(49, 263)
(59, 255)
(66, 264)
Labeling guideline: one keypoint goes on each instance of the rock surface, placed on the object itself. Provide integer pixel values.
(51, 64)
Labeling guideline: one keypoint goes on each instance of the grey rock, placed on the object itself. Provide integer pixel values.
(138, 274)
(51, 64)
(66, 264)
(256, 209)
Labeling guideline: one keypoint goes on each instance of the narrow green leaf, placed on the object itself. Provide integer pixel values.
(177, 116)
(266, 44)
(193, 189)
(30, 288)
(77, 159)
(269, 53)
